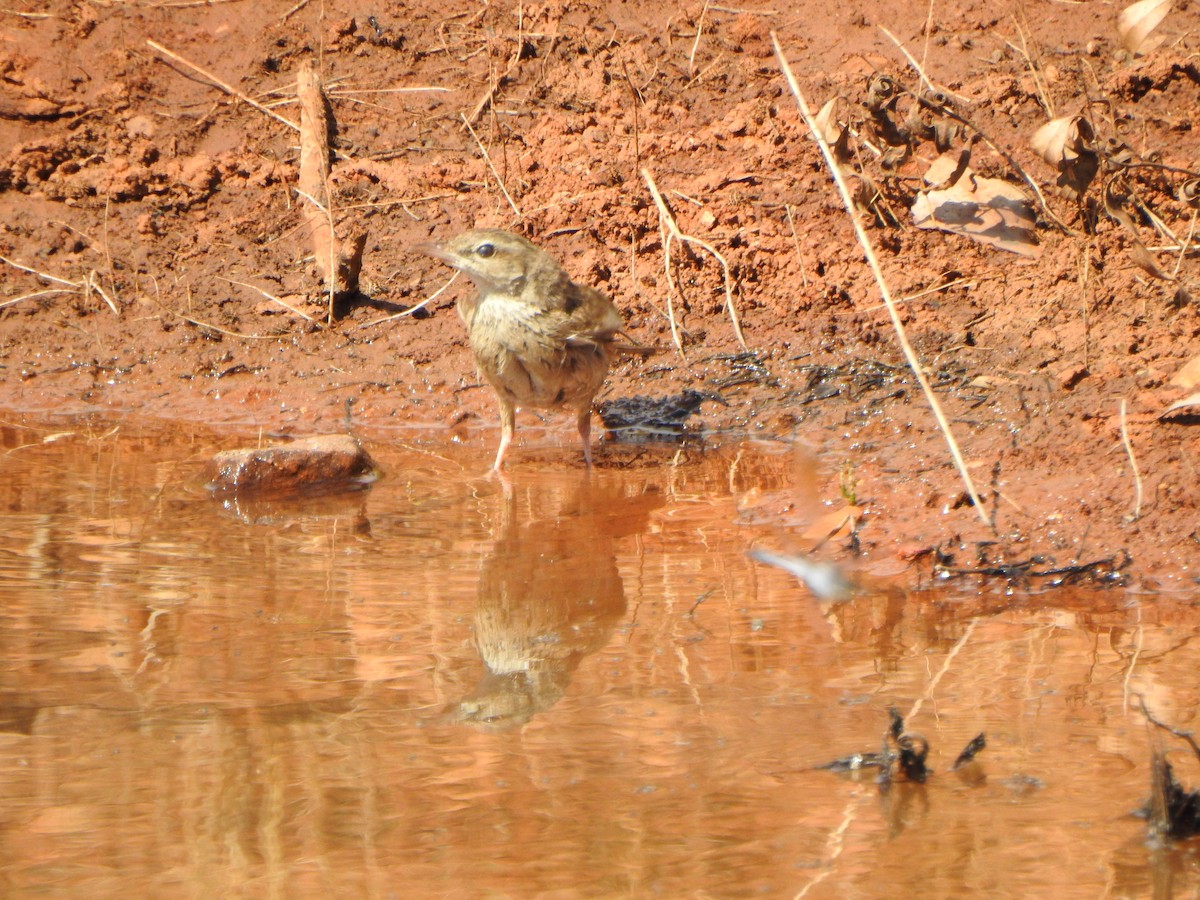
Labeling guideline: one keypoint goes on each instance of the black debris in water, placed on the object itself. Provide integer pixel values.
(637, 420)
(1173, 811)
(902, 756)
(970, 751)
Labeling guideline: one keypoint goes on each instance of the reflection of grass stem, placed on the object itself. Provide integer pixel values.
(893, 311)
(933, 682)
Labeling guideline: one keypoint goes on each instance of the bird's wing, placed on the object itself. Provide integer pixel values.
(588, 317)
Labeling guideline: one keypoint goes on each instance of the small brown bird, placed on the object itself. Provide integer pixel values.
(538, 338)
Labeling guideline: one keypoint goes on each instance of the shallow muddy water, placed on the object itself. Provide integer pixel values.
(449, 686)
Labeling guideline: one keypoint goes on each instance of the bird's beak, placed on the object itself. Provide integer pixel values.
(437, 252)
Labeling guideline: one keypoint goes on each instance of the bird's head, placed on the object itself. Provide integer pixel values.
(497, 261)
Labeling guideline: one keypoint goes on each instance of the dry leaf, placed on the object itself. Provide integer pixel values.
(1189, 193)
(1067, 144)
(882, 92)
(1061, 141)
(835, 524)
(1189, 376)
(1135, 23)
(1188, 406)
(827, 125)
(948, 169)
(987, 210)
(835, 132)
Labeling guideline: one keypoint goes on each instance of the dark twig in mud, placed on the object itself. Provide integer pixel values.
(635, 420)
(745, 368)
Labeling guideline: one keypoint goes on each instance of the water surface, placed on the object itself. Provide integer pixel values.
(559, 685)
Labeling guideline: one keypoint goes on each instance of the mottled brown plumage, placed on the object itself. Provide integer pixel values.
(539, 339)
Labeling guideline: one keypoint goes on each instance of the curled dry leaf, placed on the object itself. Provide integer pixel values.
(1189, 193)
(827, 124)
(882, 92)
(894, 157)
(1067, 143)
(1116, 153)
(987, 210)
(835, 132)
(1188, 406)
(1063, 140)
(1116, 199)
(927, 121)
(1136, 22)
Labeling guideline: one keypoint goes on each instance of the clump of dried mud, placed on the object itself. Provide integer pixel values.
(167, 208)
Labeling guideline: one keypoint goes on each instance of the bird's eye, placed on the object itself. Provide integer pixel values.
(485, 250)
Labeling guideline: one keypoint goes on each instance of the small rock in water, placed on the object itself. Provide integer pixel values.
(328, 461)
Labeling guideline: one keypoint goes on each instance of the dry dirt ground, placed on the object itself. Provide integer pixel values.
(166, 206)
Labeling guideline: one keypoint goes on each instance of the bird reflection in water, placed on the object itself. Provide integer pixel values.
(550, 594)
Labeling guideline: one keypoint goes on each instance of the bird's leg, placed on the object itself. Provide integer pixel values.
(585, 434)
(508, 423)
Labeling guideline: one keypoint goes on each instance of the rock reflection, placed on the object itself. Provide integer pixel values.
(549, 595)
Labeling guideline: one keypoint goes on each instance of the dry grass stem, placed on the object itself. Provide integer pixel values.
(291, 12)
(343, 92)
(46, 275)
(273, 299)
(488, 159)
(14, 300)
(738, 11)
(670, 231)
(236, 334)
(413, 309)
(1137, 475)
(1034, 69)
(893, 311)
(86, 286)
(796, 241)
(928, 31)
(696, 42)
(917, 66)
(187, 4)
(1183, 249)
(217, 82)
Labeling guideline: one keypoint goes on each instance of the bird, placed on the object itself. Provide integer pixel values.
(538, 338)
